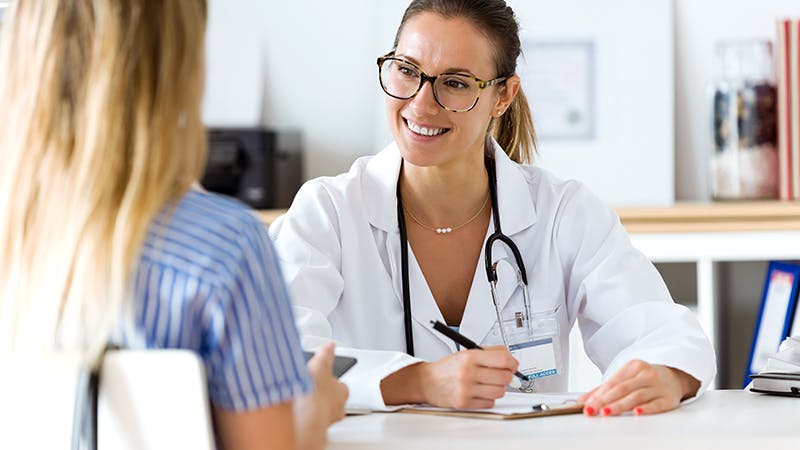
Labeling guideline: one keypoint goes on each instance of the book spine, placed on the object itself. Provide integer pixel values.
(794, 101)
(794, 115)
(784, 147)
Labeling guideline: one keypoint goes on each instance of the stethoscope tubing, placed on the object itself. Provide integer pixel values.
(401, 222)
(491, 273)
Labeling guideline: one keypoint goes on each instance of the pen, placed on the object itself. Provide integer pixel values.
(465, 342)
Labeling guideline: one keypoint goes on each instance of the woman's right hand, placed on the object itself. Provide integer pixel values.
(467, 379)
(324, 406)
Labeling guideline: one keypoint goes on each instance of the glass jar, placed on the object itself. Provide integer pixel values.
(744, 164)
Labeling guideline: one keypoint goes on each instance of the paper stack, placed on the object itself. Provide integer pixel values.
(782, 374)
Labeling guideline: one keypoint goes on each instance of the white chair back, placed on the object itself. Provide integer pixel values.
(153, 399)
(38, 401)
(148, 399)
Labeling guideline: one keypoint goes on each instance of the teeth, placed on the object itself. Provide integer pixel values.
(424, 131)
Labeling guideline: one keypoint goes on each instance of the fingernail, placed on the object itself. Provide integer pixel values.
(638, 411)
(589, 411)
(606, 411)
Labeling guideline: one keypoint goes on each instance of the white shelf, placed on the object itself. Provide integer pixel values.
(718, 246)
(706, 235)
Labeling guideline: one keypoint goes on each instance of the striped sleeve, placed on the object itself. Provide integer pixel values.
(254, 355)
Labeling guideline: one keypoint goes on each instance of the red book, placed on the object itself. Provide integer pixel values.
(784, 111)
(794, 93)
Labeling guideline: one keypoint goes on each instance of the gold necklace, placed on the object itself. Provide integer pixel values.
(447, 230)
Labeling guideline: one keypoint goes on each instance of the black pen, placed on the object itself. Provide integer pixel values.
(465, 342)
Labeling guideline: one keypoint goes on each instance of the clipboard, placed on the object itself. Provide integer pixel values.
(513, 406)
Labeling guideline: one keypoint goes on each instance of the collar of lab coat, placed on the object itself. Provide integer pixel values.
(517, 211)
(517, 208)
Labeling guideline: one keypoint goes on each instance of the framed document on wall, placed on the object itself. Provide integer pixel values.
(600, 80)
(778, 304)
(562, 82)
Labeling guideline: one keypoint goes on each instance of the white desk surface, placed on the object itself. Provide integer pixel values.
(720, 420)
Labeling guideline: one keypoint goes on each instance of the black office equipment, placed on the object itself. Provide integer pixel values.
(260, 167)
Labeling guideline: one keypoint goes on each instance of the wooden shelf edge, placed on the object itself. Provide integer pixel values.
(733, 211)
(711, 227)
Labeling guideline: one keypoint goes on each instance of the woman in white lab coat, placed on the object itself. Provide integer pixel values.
(461, 125)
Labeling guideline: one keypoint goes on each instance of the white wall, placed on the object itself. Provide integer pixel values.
(633, 139)
(315, 71)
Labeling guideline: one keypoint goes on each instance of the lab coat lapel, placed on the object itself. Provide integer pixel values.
(379, 188)
(516, 203)
(423, 306)
(380, 202)
(517, 213)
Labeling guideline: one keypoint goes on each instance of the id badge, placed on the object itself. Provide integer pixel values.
(537, 359)
(534, 345)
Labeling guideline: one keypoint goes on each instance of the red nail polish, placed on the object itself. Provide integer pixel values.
(638, 411)
(606, 411)
(589, 411)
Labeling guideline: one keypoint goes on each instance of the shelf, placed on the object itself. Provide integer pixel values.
(713, 217)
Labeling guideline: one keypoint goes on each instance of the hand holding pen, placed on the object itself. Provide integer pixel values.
(470, 379)
(466, 342)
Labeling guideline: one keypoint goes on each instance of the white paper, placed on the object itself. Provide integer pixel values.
(514, 403)
(788, 357)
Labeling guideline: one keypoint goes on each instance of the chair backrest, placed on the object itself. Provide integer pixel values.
(153, 399)
(147, 399)
(38, 400)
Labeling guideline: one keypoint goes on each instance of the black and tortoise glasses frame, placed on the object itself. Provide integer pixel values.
(423, 77)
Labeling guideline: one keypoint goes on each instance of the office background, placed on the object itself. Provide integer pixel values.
(309, 65)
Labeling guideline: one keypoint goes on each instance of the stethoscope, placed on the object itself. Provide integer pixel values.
(491, 268)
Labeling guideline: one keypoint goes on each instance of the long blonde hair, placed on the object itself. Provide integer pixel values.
(99, 129)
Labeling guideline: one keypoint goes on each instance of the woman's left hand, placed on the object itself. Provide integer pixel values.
(642, 388)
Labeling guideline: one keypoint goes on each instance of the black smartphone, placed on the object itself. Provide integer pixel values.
(341, 364)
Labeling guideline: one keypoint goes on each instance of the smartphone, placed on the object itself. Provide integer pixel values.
(341, 364)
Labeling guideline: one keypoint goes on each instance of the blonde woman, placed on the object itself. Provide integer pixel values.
(102, 236)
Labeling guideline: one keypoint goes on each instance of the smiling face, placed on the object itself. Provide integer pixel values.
(426, 133)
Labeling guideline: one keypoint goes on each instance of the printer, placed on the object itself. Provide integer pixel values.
(261, 167)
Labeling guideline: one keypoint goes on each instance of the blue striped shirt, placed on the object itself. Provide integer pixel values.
(209, 281)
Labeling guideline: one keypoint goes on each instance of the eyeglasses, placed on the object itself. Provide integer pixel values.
(457, 92)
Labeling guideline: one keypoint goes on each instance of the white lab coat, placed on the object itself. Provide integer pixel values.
(340, 250)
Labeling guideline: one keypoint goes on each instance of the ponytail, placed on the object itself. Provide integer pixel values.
(514, 131)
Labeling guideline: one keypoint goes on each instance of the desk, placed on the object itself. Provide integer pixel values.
(720, 420)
